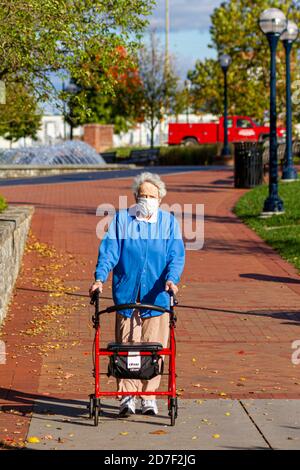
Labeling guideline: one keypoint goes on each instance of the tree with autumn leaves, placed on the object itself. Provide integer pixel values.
(144, 91)
(235, 31)
(93, 103)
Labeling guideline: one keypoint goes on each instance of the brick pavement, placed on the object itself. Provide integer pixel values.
(238, 312)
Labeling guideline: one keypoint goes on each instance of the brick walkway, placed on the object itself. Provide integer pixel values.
(237, 318)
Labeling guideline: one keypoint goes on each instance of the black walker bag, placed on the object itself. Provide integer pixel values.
(135, 366)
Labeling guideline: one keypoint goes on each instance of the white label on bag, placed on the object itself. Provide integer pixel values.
(134, 362)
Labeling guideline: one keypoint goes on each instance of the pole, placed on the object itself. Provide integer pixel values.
(64, 111)
(289, 172)
(167, 39)
(273, 204)
(167, 64)
(226, 150)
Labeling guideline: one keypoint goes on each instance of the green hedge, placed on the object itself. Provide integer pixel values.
(192, 155)
(179, 155)
(3, 203)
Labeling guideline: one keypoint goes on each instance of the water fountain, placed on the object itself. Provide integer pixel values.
(72, 152)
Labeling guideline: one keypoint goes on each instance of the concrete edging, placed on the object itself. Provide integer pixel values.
(17, 171)
(14, 227)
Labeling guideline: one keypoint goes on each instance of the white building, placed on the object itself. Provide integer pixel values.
(54, 130)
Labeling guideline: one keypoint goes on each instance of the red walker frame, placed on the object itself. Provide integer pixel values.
(95, 404)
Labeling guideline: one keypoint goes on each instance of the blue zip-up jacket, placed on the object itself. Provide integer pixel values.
(142, 255)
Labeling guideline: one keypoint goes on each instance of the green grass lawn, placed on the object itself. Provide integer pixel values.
(3, 203)
(282, 232)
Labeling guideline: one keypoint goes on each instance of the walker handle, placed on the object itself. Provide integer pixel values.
(95, 296)
(173, 299)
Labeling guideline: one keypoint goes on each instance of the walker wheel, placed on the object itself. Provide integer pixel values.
(173, 409)
(96, 415)
(91, 407)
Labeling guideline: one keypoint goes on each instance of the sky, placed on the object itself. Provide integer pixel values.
(189, 30)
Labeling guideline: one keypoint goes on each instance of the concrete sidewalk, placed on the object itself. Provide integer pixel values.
(237, 318)
(201, 424)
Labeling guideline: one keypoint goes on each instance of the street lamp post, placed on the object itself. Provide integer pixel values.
(64, 111)
(187, 85)
(225, 61)
(272, 23)
(288, 37)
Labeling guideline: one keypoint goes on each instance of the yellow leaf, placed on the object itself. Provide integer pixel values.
(124, 433)
(227, 414)
(33, 440)
(216, 436)
(223, 394)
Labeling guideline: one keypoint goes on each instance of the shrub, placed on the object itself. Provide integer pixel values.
(192, 155)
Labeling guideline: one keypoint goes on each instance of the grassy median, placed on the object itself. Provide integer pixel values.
(282, 232)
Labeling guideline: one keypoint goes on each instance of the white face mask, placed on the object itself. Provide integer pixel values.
(147, 206)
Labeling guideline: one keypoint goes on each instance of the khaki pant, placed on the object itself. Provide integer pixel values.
(136, 330)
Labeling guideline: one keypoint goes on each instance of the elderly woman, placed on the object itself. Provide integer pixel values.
(144, 249)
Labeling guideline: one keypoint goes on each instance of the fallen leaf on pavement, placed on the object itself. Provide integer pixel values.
(68, 375)
(33, 440)
(158, 432)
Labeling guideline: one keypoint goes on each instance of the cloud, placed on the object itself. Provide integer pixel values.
(184, 14)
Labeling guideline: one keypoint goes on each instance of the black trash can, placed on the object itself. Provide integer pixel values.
(248, 164)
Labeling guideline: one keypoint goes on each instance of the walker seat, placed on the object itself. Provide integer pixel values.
(134, 347)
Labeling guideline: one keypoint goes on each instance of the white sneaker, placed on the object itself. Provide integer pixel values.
(149, 407)
(127, 406)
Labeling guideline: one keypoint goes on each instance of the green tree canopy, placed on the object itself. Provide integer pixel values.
(235, 31)
(20, 116)
(40, 37)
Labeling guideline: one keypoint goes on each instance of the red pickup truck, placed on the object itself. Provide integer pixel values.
(240, 129)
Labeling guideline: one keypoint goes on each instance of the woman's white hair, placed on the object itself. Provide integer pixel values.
(148, 177)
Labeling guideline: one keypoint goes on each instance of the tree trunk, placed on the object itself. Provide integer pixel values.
(152, 137)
